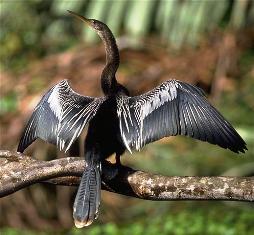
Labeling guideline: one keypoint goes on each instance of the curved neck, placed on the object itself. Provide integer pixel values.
(108, 80)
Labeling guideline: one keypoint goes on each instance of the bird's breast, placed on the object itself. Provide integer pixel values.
(104, 130)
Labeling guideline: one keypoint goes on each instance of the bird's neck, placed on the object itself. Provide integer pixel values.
(108, 80)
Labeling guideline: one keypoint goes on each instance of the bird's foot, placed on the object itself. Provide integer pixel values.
(109, 170)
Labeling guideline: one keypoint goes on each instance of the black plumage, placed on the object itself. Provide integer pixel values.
(174, 108)
(118, 122)
(59, 117)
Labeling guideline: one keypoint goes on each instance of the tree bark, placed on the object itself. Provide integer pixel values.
(18, 171)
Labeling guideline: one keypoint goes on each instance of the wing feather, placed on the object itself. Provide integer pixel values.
(60, 117)
(174, 108)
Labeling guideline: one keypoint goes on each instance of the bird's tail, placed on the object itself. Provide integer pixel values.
(87, 201)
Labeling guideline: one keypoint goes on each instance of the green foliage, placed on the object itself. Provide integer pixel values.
(42, 27)
(8, 103)
(194, 220)
(32, 34)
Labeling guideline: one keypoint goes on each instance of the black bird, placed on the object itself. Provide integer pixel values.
(118, 122)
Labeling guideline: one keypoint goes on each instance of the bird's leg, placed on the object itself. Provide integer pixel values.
(110, 171)
(118, 160)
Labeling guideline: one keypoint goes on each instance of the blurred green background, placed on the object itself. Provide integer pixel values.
(206, 43)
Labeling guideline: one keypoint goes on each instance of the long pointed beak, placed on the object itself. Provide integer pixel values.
(87, 21)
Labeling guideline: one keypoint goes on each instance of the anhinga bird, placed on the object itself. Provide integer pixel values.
(118, 122)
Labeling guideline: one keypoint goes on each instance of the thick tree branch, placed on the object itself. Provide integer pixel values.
(18, 171)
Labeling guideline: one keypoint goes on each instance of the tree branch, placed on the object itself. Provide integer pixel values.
(18, 171)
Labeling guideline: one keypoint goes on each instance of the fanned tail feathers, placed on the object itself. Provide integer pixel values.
(87, 201)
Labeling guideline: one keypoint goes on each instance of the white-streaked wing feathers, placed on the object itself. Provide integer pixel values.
(174, 108)
(59, 117)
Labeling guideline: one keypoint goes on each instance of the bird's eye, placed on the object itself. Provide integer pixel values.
(98, 27)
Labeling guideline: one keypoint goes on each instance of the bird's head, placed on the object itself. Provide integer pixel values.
(96, 25)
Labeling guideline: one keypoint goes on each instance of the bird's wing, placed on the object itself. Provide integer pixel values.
(174, 108)
(59, 117)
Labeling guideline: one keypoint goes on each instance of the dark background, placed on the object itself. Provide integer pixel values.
(206, 43)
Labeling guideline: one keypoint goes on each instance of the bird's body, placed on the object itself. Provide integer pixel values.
(118, 122)
(104, 132)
